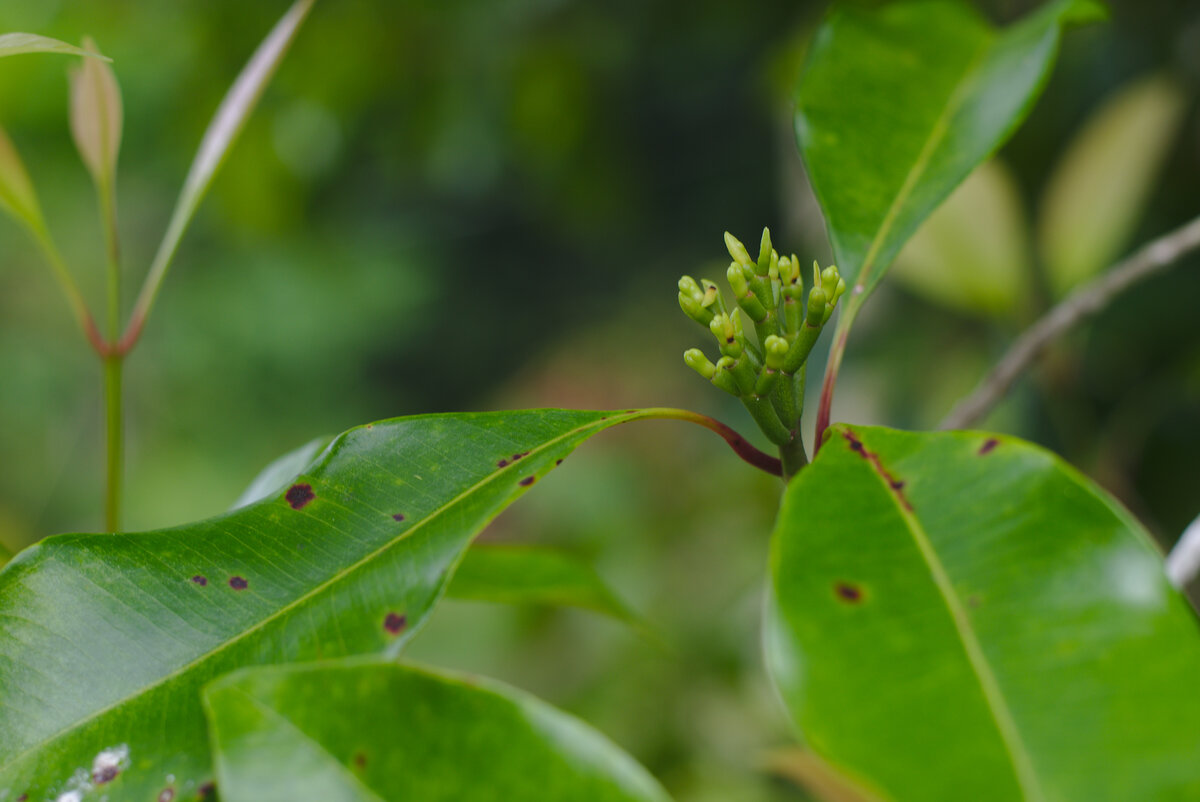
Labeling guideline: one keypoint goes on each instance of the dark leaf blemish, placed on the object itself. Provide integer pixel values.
(502, 463)
(395, 623)
(200, 580)
(398, 516)
(360, 760)
(22, 797)
(206, 790)
(558, 462)
(988, 445)
(847, 592)
(897, 485)
(299, 495)
(527, 481)
(105, 774)
(238, 583)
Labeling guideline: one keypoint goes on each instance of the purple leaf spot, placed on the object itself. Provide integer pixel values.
(557, 462)
(526, 482)
(200, 580)
(238, 583)
(398, 516)
(847, 592)
(988, 445)
(299, 495)
(105, 774)
(395, 623)
(502, 463)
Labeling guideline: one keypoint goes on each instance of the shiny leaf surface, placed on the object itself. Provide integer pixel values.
(107, 639)
(973, 597)
(899, 103)
(534, 575)
(373, 732)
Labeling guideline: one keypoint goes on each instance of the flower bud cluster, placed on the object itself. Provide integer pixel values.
(766, 372)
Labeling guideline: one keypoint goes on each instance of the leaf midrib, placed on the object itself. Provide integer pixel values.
(1010, 733)
(202, 658)
(940, 126)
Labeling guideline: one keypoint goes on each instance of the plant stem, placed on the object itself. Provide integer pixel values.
(115, 441)
(831, 373)
(1079, 305)
(70, 289)
(793, 457)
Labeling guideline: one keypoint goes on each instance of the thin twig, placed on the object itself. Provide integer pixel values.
(1079, 305)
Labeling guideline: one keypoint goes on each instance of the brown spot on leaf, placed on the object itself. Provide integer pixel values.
(299, 495)
(398, 516)
(238, 583)
(206, 790)
(527, 481)
(848, 592)
(988, 445)
(557, 462)
(896, 485)
(200, 580)
(395, 623)
(105, 774)
(360, 760)
(502, 463)
(22, 797)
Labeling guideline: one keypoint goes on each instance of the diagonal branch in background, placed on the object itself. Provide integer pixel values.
(1076, 307)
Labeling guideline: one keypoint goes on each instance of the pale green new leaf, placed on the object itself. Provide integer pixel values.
(15, 44)
(534, 575)
(222, 132)
(973, 253)
(961, 616)
(355, 731)
(17, 196)
(898, 103)
(1098, 191)
(106, 640)
(96, 116)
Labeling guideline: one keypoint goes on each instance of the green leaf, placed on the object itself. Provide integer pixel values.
(107, 639)
(973, 598)
(17, 196)
(899, 103)
(96, 117)
(15, 44)
(222, 132)
(1098, 191)
(534, 575)
(280, 473)
(973, 253)
(368, 731)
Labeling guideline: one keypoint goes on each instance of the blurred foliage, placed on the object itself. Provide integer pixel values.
(466, 205)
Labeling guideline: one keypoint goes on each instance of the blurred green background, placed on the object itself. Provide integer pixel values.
(468, 204)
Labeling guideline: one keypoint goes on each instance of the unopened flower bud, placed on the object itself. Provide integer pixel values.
(776, 349)
(695, 359)
(737, 251)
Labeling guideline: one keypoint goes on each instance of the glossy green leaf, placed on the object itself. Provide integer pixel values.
(534, 575)
(15, 44)
(368, 731)
(973, 253)
(899, 103)
(280, 473)
(107, 639)
(231, 116)
(1098, 191)
(963, 616)
(96, 117)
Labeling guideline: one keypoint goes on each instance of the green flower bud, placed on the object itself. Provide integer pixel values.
(829, 278)
(737, 280)
(689, 287)
(737, 251)
(744, 296)
(729, 339)
(816, 307)
(723, 378)
(695, 359)
(775, 349)
(692, 308)
(764, 252)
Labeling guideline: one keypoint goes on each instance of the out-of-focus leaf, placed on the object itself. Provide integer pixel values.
(533, 575)
(817, 777)
(17, 196)
(1096, 194)
(370, 731)
(222, 132)
(14, 44)
(972, 254)
(96, 116)
(973, 597)
(898, 103)
(280, 473)
(107, 639)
